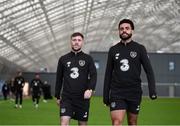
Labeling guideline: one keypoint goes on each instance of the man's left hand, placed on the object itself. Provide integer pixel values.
(88, 94)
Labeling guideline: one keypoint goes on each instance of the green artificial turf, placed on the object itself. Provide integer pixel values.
(163, 111)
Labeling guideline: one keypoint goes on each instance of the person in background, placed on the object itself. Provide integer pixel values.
(12, 89)
(46, 91)
(36, 85)
(5, 90)
(18, 86)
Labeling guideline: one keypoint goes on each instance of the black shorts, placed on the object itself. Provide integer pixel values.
(36, 95)
(130, 105)
(77, 109)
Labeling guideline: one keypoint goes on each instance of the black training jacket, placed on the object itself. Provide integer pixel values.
(123, 69)
(76, 73)
(19, 83)
(36, 85)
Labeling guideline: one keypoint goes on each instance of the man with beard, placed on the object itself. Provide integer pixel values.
(122, 84)
(75, 82)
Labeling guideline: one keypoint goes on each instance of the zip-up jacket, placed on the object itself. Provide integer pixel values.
(19, 83)
(123, 69)
(76, 73)
(36, 85)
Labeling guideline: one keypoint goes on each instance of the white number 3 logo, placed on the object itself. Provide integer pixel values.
(75, 73)
(125, 65)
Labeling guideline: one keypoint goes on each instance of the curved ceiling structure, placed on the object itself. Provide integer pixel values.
(35, 33)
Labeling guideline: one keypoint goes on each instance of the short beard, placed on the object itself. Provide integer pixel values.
(76, 50)
(126, 38)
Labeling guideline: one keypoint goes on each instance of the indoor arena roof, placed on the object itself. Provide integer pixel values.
(35, 33)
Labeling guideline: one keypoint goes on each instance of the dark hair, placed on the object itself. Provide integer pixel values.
(77, 34)
(127, 21)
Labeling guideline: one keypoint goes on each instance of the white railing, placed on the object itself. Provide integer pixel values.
(172, 89)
